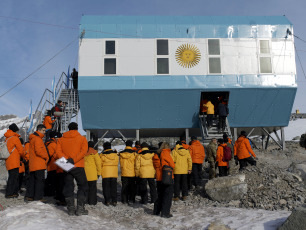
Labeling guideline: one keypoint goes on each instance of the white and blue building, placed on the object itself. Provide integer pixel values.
(148, 73)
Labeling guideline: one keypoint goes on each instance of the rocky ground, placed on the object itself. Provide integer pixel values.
(274, 184)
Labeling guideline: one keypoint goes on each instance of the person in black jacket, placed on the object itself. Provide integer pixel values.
(223, 112)
(74, 76)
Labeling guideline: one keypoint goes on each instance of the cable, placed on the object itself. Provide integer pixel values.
(299, 38)
(297, 54)
(38, 68)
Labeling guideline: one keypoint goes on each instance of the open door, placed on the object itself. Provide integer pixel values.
(214, 97)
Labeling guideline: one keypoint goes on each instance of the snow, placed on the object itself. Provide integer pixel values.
(37, 215)
(294, 129)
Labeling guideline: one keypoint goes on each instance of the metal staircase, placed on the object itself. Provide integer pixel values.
(212, 132)
(60, 92)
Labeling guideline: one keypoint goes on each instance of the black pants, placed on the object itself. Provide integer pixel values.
(36, 184)
(209, 119)
(92, 192)
(244, 162)
(180, 182)
(79, 175)
(21, 176)
(59, 187)
(221, 125)
(189, 181)
(144, 190)
(50, 183)
(128, 190)
(196, 174)
(12, 186)
(75, 83)
(164, 200)
(223, 171)
(109, 186)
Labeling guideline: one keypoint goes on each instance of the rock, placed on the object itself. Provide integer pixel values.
(282, 202)
(217, 225)
(235, 203)
(227, 188)
(296, 220)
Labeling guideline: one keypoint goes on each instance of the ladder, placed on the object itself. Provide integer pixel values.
(48, 100)
(213, 132)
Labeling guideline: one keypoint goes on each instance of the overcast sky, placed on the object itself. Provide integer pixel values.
(25, 46)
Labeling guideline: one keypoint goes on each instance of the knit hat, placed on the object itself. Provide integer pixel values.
(14, 127)
(243, 133)
(193, 138)
(91, 144)
(144, 145)
(73, 126)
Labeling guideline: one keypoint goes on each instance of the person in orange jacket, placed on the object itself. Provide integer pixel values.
(165, 192)
(73, 147)
(48, 122)
(222, 165)
(137, 147)
(197, 153)
(16, 151)
(50, 183)
(38, 159)
(23, 161)
(243, 151)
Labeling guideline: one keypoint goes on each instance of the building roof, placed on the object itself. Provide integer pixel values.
(102, 26)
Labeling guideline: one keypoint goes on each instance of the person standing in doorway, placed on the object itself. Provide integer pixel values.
(210, 113)
(75, 76)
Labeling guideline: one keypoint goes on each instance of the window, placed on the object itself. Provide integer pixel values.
(162, 47)
(214, 56)
(214, 65)
(109, 47)
(110, 66)
(162, 65)
(265, 57)
(162, 56)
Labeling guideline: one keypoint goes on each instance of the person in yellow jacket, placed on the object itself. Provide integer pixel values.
(92, 166)
(183, 167)
(127, 165)
(109, 172)
(210, 113)
(145, 171)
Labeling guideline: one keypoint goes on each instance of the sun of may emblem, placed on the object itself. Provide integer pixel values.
(188, 55)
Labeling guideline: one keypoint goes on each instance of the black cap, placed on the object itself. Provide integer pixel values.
(73, 126)
(14, 127)
(193, 138)
(144, 145)
(91, 144)
(221, 141)
(129, 143)
(179, 143)
(243, 133)
(107, 145)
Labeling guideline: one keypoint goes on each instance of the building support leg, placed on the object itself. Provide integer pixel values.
(137, 135)
(267, 142)
(187, 135)
(283, 138)
(88, 135)
(272, 138)
(263, 141)
(235, 134)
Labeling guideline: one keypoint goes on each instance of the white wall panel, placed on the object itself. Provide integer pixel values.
(282, 48)
(136, 56)
(283, 64)
(247, 65)
(91, 66)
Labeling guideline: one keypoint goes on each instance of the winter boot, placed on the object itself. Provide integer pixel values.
(81, 207)
(70, 205)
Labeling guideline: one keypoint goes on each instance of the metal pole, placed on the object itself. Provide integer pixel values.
(187, 135)
(267, 142)
(283, 138)
(263, 141)
(137, 134)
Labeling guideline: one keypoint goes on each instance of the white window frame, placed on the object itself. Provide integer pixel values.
(162, 56)
(214, 56)
(263, 55)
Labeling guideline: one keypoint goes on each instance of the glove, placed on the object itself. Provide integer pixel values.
(70, 160)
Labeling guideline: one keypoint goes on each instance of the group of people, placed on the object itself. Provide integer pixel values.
(140, 166)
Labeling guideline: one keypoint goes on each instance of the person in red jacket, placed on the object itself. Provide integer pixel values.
(73, 146)
(16, 151)
(38, 159)
(165, 192)
(197, 153)
(243, 151)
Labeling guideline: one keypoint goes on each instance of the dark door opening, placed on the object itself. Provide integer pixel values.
(215, 98)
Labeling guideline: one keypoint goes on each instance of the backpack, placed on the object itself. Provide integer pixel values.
(227, 154)
(303, 140)
(52, 111)
(4, 153)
